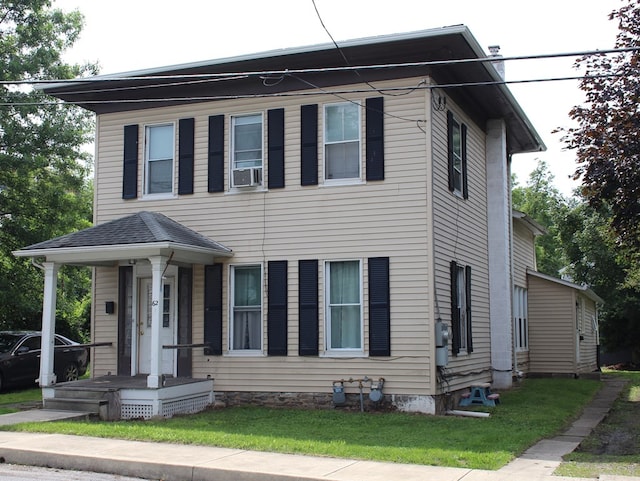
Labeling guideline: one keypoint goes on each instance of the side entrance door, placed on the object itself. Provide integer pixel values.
(168, 331)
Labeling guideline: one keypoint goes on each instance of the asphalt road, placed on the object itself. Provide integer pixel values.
(14, 472)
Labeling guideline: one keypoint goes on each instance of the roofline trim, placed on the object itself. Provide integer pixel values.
(584, 289)
(116, 249)
(306, 49)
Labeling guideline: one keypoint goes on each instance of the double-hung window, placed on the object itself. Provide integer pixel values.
(457, 156)
(246, 150)
(342, 141)
(462, 307)
(159, 159)
(343, 306)
(520, 323)
(462, 342)
(246, 308)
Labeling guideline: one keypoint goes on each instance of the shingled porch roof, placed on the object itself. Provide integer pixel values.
(136, 236)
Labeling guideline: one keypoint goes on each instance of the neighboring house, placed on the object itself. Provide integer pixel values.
(555, 321)
(280, 223)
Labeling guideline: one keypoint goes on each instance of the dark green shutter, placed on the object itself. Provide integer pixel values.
(125, 321)
(467, 278)
(185, 155)
(375, 138)
(308, 307)
(213, 309)
(277, 309)
(185, 289)
(216, 154)
(463, 138)
(450, 159)
(309, 144)
(455, 312)
(130, 164)
(275, 156)
(379, 307)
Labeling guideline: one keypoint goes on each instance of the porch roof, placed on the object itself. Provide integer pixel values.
(136, 236)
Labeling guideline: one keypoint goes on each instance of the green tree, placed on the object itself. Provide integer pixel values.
(44, 172)
(596, 260)
(606, 140)
(541, 201)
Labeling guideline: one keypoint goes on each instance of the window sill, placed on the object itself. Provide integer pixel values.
(343, 354)
(246, 190)
(245, 353)
(166, 196)
(342, 182)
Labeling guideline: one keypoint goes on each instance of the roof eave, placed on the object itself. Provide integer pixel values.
(110, 254)
(586, 290)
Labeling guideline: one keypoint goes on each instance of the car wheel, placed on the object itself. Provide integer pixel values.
(70, 372)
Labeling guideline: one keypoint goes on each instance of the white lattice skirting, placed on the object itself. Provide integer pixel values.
(167, 409)
(167, 401)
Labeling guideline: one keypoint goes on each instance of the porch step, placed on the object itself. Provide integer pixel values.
(71, 392)
(88, 405)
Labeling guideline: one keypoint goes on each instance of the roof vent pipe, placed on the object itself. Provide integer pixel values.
(494, 50)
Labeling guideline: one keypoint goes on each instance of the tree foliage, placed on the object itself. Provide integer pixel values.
(594, 259)
(44, 172)
(579, 245)
(542, 201)
(606, 139)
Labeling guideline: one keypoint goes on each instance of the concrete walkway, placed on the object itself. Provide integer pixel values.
(169, 462)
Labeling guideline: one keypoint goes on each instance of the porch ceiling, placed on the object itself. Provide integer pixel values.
(138, 236)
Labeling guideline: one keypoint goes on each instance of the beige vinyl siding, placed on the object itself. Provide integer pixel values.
(460, 234)
(552, 327)
(383, 218)
(588, 361)
(523, 258)
(524, 254)
(105, 326)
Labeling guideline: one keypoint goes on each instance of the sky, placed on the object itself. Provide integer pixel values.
(125, 35)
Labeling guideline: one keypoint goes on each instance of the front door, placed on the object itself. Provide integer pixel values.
(167, 329)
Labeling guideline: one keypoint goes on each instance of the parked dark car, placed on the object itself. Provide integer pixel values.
(20, 358)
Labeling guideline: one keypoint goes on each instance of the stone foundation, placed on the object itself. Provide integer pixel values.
(353, 402)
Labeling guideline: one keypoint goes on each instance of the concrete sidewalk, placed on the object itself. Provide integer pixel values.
(171, 462)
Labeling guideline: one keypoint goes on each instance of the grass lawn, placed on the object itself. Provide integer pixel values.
(11, 399)
(614, 446)
(535, 409)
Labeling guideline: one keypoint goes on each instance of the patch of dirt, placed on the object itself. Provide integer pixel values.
(619, 433)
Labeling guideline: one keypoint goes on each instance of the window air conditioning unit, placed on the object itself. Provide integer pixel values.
(247, 177)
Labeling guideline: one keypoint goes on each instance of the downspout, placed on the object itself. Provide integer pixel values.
(513, 331)
(433, 309)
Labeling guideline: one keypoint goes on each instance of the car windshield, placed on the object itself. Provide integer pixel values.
(7, 341)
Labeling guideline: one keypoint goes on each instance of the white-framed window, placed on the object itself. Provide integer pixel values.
(456, 149)
(461, 284)
(245, 328)
(159, 159)
(247, 150)
(342, 143)
(343, 306)
(520, 319)
(457, 156)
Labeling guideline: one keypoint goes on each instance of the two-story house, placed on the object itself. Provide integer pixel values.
(279, 226)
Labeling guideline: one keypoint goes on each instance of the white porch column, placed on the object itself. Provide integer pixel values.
(154, 379)
(499, 218)
(47, 377)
